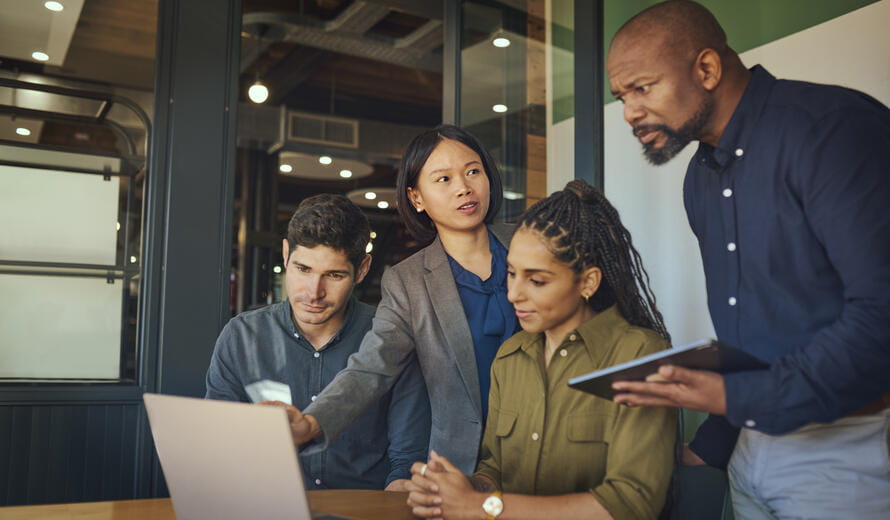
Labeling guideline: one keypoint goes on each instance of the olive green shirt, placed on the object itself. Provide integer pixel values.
(544, 438)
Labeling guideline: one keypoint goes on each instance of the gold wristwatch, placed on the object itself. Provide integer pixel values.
(493, 506)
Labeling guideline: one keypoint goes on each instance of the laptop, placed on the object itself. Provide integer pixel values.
(225, 460)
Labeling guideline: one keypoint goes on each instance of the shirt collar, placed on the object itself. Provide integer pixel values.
(738, 131)
(288, 321)
(602, 329)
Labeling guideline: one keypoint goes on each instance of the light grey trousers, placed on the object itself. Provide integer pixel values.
(830, 471)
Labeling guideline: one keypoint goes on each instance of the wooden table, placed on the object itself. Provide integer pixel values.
(354, 503)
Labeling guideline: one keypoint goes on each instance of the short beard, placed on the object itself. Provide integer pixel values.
(676, 140)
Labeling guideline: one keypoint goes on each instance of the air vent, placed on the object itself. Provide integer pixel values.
(333, 131)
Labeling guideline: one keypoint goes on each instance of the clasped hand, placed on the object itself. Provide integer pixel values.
(438, 489)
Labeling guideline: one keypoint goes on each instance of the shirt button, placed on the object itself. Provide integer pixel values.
(573, 337)
(563, 353)
(732, 300)
(750, 423)
(318, 482)
(727, 193)
(316, 355)
(535, 436)
(313, 397)
(739, 152)
(730, 246)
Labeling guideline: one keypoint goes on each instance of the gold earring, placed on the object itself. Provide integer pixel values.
(586, 298)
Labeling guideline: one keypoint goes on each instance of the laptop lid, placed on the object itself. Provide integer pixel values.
(225, 460)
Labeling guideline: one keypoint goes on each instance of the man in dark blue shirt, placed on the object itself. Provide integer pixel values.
(290, 351)
(788, 197)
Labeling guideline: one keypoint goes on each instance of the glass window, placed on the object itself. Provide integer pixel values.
(517, 94)
(76, 87)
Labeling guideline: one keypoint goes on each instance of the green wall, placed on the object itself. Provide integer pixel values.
(748, 24)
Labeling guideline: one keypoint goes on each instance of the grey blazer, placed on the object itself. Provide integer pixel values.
(419, 315)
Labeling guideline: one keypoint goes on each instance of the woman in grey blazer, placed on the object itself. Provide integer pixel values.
(449, 190)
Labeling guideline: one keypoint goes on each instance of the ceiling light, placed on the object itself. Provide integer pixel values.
(373, 234)
(23, 131)
(346, 174)
(513, 195)
(324, 159)
(258, 93)
(382, 204)
(370, 195)
(499, 108)
(369, 247)
(500, 42)
(54, 6)
(276, 269)
(40, 56)
(117, 226)
(132, 259)
(285, 168)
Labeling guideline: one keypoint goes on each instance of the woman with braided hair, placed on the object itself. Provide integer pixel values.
(583, 300)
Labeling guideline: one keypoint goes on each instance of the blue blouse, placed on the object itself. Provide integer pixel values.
(490, 316)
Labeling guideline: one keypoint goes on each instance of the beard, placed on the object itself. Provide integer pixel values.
(676, 140)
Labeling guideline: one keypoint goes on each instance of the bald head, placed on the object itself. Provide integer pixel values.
(680, 27)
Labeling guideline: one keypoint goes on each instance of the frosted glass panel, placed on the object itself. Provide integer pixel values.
(52, 216)
(59, 327)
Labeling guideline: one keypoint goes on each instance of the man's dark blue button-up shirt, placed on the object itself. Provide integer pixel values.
(792, 215)
(264, 345)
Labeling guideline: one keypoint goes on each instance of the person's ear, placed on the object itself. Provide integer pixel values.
(708, 69)
(285, 251)
(416, 199)
(363, 269)
(590, 282)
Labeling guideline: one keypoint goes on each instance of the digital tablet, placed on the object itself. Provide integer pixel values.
(706, 354)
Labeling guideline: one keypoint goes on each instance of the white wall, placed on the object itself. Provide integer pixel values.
(852, 50)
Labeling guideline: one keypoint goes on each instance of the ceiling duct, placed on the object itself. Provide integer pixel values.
(325, 130)
(346, 35)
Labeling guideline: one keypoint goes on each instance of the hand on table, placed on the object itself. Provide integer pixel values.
(303, 428)
(681, 387)
(439, 490)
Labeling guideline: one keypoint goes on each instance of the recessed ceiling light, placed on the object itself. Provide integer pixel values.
(499, 108)
(373, 234)
(40, 56)
(132, 259)
(324, 159)
(285, 168)
(258, 93)
(346, 174)
(513, 195)
(117, 226)
(369, 247)
(23, 131)
(500, 42)
(382, 204)
(276, 269)
(370, 195)
(54, 6)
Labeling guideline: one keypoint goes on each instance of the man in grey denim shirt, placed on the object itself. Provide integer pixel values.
(290, 351)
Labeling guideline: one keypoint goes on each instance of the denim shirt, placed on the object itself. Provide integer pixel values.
(381, 445)
(790, 212)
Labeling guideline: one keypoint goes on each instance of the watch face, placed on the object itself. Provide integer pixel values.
(493, 506)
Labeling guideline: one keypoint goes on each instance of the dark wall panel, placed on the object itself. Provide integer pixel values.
(65, 453)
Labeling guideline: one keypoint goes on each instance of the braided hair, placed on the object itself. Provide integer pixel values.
(584, 230)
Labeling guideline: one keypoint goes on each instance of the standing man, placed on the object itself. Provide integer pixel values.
(290, 351)
(788, 197)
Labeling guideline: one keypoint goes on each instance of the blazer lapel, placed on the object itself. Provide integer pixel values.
(450, 313)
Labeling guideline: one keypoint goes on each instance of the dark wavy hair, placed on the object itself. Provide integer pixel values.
(584, 230)
(416, 154)
(330, 220)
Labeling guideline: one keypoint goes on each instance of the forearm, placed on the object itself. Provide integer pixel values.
(575, 505)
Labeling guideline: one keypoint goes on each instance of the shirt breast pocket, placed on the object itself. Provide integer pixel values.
(505, 425)
(585, 456)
